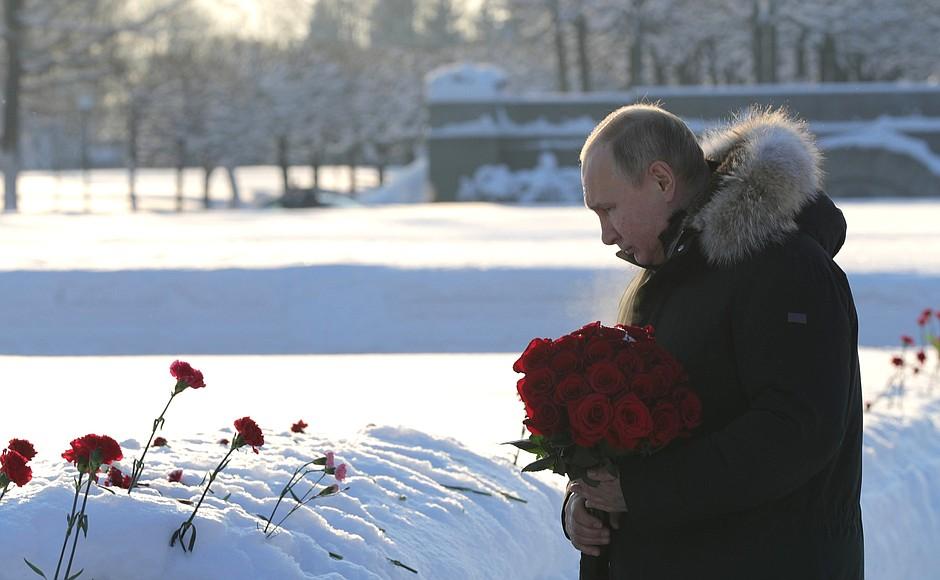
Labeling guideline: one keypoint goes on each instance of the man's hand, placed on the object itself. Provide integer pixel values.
(587, 532)
(606, 496)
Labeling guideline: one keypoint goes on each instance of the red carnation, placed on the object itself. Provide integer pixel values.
(13, 468)
(175, 476)
(631, 421)
(248, 434)
(159, 442)
(186, 376)
(23, 447)
(897, 361)
(572, 388)
(223, 441)
(590, 419)
(298, 427)
(907, 340)
(924, 317)
(666, 423)
(537, 385)
(536, 355)
(118, 479)
(921, 357)
(689, 406)
(88, 453)
(605, 377)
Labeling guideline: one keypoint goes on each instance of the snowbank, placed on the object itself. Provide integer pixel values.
(546, 182)
(407, 184)
(400, 505)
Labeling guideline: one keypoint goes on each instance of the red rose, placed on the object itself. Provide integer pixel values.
(615, 333)
(175, 476)
(186, 376)
(536, 355)
(118, 479)
(537, 385)
(689, 406)
(544, 418)
(631, 421)
(599, 349)
(23, 447)
(565, 362)
(90, 452)
(666, 423)
(298, 427)
(644, 385)
(590, 419)
(573, 342)
(159, 442)
(13, 468)
(588, 331)
(605, 377)
(572, 388)
(644, 333)
(248, 434)
(629, 362)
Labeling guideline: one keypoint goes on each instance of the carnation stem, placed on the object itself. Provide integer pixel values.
(284, 492)
(81, 516)
(215, 472)
(303, 501)
(68, 531)
(139, 465)
(4, 492)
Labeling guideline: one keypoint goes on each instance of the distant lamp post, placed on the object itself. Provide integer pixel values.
(85, 102)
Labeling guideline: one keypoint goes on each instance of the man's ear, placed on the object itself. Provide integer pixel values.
(664, 178)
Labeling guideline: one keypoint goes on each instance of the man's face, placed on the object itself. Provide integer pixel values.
(631, 216)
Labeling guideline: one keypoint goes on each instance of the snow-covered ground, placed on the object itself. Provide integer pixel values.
(404, 317)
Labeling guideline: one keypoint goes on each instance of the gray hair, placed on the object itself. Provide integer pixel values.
(640, 134)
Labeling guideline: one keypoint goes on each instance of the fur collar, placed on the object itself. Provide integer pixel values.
(768, 169)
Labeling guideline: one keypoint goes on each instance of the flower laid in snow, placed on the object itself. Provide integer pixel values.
(298, 427)
(907, 340)
(247, 433)
(223, 441)
(300, 475)
(186, 378)
(14, 466)
(117, 478)
(175, 476)
(88, 454)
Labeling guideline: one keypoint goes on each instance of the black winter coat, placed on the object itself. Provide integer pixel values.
(752, 304)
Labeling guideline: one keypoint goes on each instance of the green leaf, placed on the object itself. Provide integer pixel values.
(319, 461)
(174, 537)
(335, 556)
(75, 575)
(512, 497)
(539, 465)
(526, 445)
(83, 525)
(294, 495)
(34, 568)
(192, 539)
(466, 489)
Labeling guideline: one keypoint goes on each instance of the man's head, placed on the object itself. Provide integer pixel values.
(638, 166)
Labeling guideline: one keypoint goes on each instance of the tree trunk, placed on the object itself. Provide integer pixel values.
(132, 153)
(757, 42)
(233, 182)
(315, 169)
(636, 57)
(180, 166)
(827, 59)
(770, 40)
(207, 169)
(560, 51)
(584, 62)
(10, 141)
(283, 163)
(801, 66)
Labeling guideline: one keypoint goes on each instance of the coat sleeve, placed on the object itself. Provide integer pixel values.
(793, 326)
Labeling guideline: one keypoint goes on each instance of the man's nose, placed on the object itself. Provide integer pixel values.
(608, 235)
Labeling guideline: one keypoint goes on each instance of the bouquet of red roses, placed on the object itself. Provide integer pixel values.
(600, 393)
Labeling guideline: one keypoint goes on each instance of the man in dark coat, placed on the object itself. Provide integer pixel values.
(736, 244)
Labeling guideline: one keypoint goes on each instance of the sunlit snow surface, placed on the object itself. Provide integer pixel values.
(404, 317)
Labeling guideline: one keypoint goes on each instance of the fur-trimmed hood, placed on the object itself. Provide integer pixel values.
(768, 169)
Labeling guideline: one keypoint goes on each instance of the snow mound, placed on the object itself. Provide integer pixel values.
(546, 182)
(408, 184)
(465, 80)
(425, 502)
